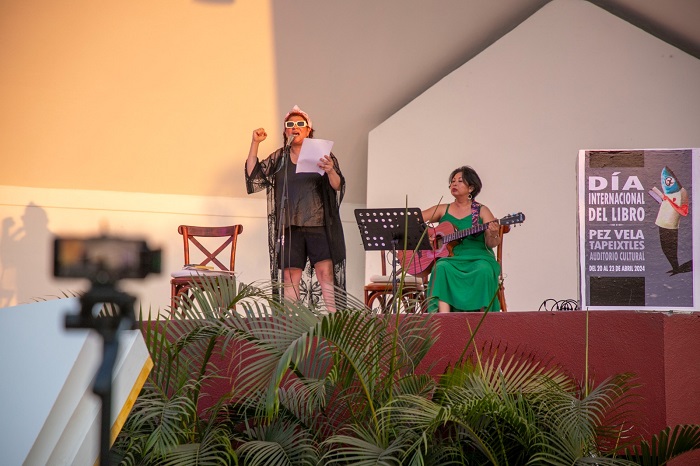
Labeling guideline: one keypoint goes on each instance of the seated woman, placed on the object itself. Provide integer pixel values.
(468, 279)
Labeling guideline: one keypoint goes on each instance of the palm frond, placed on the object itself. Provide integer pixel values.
(278, 444)
(666, 445)
(364, 447)
(215, 449)
(582, 420)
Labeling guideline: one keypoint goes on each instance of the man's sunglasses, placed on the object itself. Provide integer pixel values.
(292, 124)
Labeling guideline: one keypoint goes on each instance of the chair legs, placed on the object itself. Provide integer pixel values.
(411, 301)
(176, 291)
(502, 297)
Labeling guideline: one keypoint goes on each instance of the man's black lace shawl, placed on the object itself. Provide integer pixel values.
(263, 177)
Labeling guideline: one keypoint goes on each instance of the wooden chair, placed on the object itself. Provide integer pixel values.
(181, 281)
(499, 257)
(380, 292)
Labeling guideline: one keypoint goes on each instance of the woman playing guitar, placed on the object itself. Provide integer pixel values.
(467, 280)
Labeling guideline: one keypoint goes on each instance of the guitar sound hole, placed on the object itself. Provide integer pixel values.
(438, 242)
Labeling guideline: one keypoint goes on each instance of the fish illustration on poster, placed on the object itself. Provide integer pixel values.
(636, 223)
(673, 205)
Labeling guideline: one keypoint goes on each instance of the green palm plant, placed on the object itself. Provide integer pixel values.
(505, 408)
(666, 445)
(167, 424)
(296, 370)
(306, 388)
(509, 410)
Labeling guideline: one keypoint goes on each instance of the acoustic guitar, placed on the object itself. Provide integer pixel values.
(444, 238)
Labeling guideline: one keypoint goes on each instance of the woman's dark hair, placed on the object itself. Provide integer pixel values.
(470, 177)
(284, 133)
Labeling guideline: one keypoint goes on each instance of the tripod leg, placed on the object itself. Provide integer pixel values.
(103, 388)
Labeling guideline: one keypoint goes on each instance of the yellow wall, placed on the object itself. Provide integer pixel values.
(141, 96)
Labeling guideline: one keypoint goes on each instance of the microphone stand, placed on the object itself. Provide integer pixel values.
(284, 199)
(394, 278)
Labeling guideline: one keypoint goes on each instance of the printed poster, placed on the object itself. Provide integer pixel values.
(637, 218)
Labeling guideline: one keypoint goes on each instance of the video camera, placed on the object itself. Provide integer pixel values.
(104, 260)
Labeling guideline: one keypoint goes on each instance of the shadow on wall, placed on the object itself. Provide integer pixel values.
(24, 256)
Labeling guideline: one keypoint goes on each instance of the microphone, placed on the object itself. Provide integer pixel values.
(289, 141)
(285, 153)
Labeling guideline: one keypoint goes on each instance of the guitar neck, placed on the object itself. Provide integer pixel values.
(457, 235)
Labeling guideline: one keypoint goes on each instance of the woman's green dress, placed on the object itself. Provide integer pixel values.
(468, 279)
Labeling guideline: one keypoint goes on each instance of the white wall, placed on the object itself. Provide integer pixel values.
(570, 77)
(32, 216)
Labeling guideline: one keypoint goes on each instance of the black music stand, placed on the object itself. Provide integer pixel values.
(383, 229)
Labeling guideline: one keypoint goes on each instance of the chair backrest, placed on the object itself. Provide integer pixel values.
(229, 234)
(383, 256)
(387, 261)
